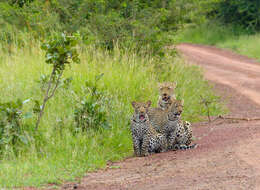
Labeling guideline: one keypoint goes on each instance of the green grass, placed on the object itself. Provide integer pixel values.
(245, 45)
(222, 36)
(208, 33)
(56, 155)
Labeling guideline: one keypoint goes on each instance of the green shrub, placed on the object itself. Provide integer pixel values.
(129, 24)
(90, 113)
(243, 12)
(10, 126)
(20, 3)
(60, 52)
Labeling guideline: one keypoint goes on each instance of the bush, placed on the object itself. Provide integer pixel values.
(10, 125)
(243, 12)
(60, 52)
(130, 24)
(90, 112)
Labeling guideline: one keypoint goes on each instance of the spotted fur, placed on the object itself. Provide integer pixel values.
(182, 135)
(166, 94)
(145, 138)
(169, 123)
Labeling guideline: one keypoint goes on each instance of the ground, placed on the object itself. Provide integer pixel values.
(227, 156)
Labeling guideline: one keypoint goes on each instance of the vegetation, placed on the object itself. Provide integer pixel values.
(90, 112)
(222, 36)
(227, 24)
(58, 152)
(140, 25)
(242, 13)
(244, 44)
(121, 45)
(59, 52)
(208, 33)
(10, 126)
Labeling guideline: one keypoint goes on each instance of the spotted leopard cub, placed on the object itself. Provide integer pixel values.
(182, 135)
(159, 120)
(145, 139)
(167, 96)
(169, 123)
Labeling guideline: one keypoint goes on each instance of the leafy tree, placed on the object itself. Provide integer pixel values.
(243, 12)
(136, 24)
(60, 52)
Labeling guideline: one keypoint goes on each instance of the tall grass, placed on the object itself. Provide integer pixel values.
(210, 33)
(223, 36)
(57, 154)
(244, 44)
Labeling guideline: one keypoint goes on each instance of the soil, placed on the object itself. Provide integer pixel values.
(228, 152)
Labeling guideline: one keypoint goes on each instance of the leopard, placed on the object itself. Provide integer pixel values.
(146, 140)
(166, 94)
(168, 122)
(182, 135)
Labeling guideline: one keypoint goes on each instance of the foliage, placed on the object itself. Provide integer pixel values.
(60, 52)
(91, 111)
(244, 44)
(10, 125)
(243, 12)
(210, 33)
(33, 18)
(134, 24)
(131, 24)
(20, 3)
(64, 83)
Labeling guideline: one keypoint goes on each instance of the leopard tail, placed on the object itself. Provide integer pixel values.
(186, 147)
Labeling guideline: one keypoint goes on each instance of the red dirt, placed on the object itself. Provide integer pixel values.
(228, 155)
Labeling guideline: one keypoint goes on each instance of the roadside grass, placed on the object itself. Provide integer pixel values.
(208, 33)
(245, 45)
(56, 154)
(222, 36)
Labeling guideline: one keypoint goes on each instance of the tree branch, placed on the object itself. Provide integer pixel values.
(238, 118)
(46, 98)
(56, 85)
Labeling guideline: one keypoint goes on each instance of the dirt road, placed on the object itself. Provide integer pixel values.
(228, 155)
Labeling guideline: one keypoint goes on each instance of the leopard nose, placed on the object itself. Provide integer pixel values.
(164, 94)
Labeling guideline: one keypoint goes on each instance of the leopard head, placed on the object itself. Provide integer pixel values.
(175, 110)
(141, 109)
(166, 90)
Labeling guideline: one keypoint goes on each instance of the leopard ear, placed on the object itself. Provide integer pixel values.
(148, 103)
(133, 104)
